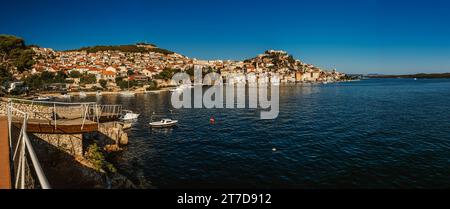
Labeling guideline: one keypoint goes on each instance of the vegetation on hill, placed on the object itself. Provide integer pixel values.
(15, 57)
(145, 44)
(14, 54)
(124, 48)
(167, 73)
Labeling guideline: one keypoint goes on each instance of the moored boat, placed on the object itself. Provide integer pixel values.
(163, 123)
(128, 115)
(82, 94)
(41, 98)
(65, 96)
(127, 93)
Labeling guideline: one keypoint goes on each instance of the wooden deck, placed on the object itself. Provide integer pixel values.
(5, 172)
(63, 126)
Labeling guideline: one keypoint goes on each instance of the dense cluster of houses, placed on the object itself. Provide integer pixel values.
(143, 66)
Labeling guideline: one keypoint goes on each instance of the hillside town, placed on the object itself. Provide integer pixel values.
(146, 67)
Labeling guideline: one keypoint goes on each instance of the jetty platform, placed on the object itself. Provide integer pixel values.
(61, 126)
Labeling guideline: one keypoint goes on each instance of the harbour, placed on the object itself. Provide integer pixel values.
(339, 135)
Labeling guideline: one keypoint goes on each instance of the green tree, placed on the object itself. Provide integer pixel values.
(103, 83)
(119, 79)
(5, 77)
(60, 77)
(34, 82)
(190, 71)
(123, 84)
(23, 59)
(152, 86)
(167, 73)
(75, 74)
(88, 79)
(130, 72)
(47, 77)
(15, 54)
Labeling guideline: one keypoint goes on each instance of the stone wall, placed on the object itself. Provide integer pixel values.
(34, 111)
(44, 111)
(110, 135)
(71, 144)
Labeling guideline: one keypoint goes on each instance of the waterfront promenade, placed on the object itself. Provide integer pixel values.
(5, 173)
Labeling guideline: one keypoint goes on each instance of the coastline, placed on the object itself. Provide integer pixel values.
(94, 93)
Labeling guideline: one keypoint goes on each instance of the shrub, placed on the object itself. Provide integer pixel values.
(97, 158)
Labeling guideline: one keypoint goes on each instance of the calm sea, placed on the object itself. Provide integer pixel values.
(376, 133)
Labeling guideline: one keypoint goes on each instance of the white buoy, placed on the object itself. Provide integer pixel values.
(274, 149)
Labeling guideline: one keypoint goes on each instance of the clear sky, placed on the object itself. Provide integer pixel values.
(365, 36)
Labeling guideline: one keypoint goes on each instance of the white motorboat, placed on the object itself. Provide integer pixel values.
(66, 96)
(153, 91)
(178, 89)
(42, 99)
(82, 94)
(128, 115)
(127, 93)
(163, 123)
(275, 80)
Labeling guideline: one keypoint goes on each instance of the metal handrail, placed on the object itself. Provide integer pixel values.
(51, 102)
(89, 110)
(26, 147)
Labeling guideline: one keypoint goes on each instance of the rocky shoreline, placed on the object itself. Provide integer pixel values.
(69, 161)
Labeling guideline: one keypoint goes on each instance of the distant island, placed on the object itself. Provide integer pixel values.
(419, 75)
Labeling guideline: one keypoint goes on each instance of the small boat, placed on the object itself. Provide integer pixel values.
(153, 91)
(65, 96)
(128, 115)
(176, 90)
(127, 93)
(42, 99)
(82, 94)
(163, 123)
(182, 87)
(275, 81)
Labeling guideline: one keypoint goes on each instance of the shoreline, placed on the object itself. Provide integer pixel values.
(94, 93)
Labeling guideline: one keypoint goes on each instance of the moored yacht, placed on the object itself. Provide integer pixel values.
(128, 115)
(41, 98)
(66, 96)
(82, 94)
(127, 93)
(163, 123)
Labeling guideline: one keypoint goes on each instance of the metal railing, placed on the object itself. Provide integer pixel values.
(65, 110)
(24, 173)
(111, 110)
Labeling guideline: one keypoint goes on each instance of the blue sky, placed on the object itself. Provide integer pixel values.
(370, 36)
